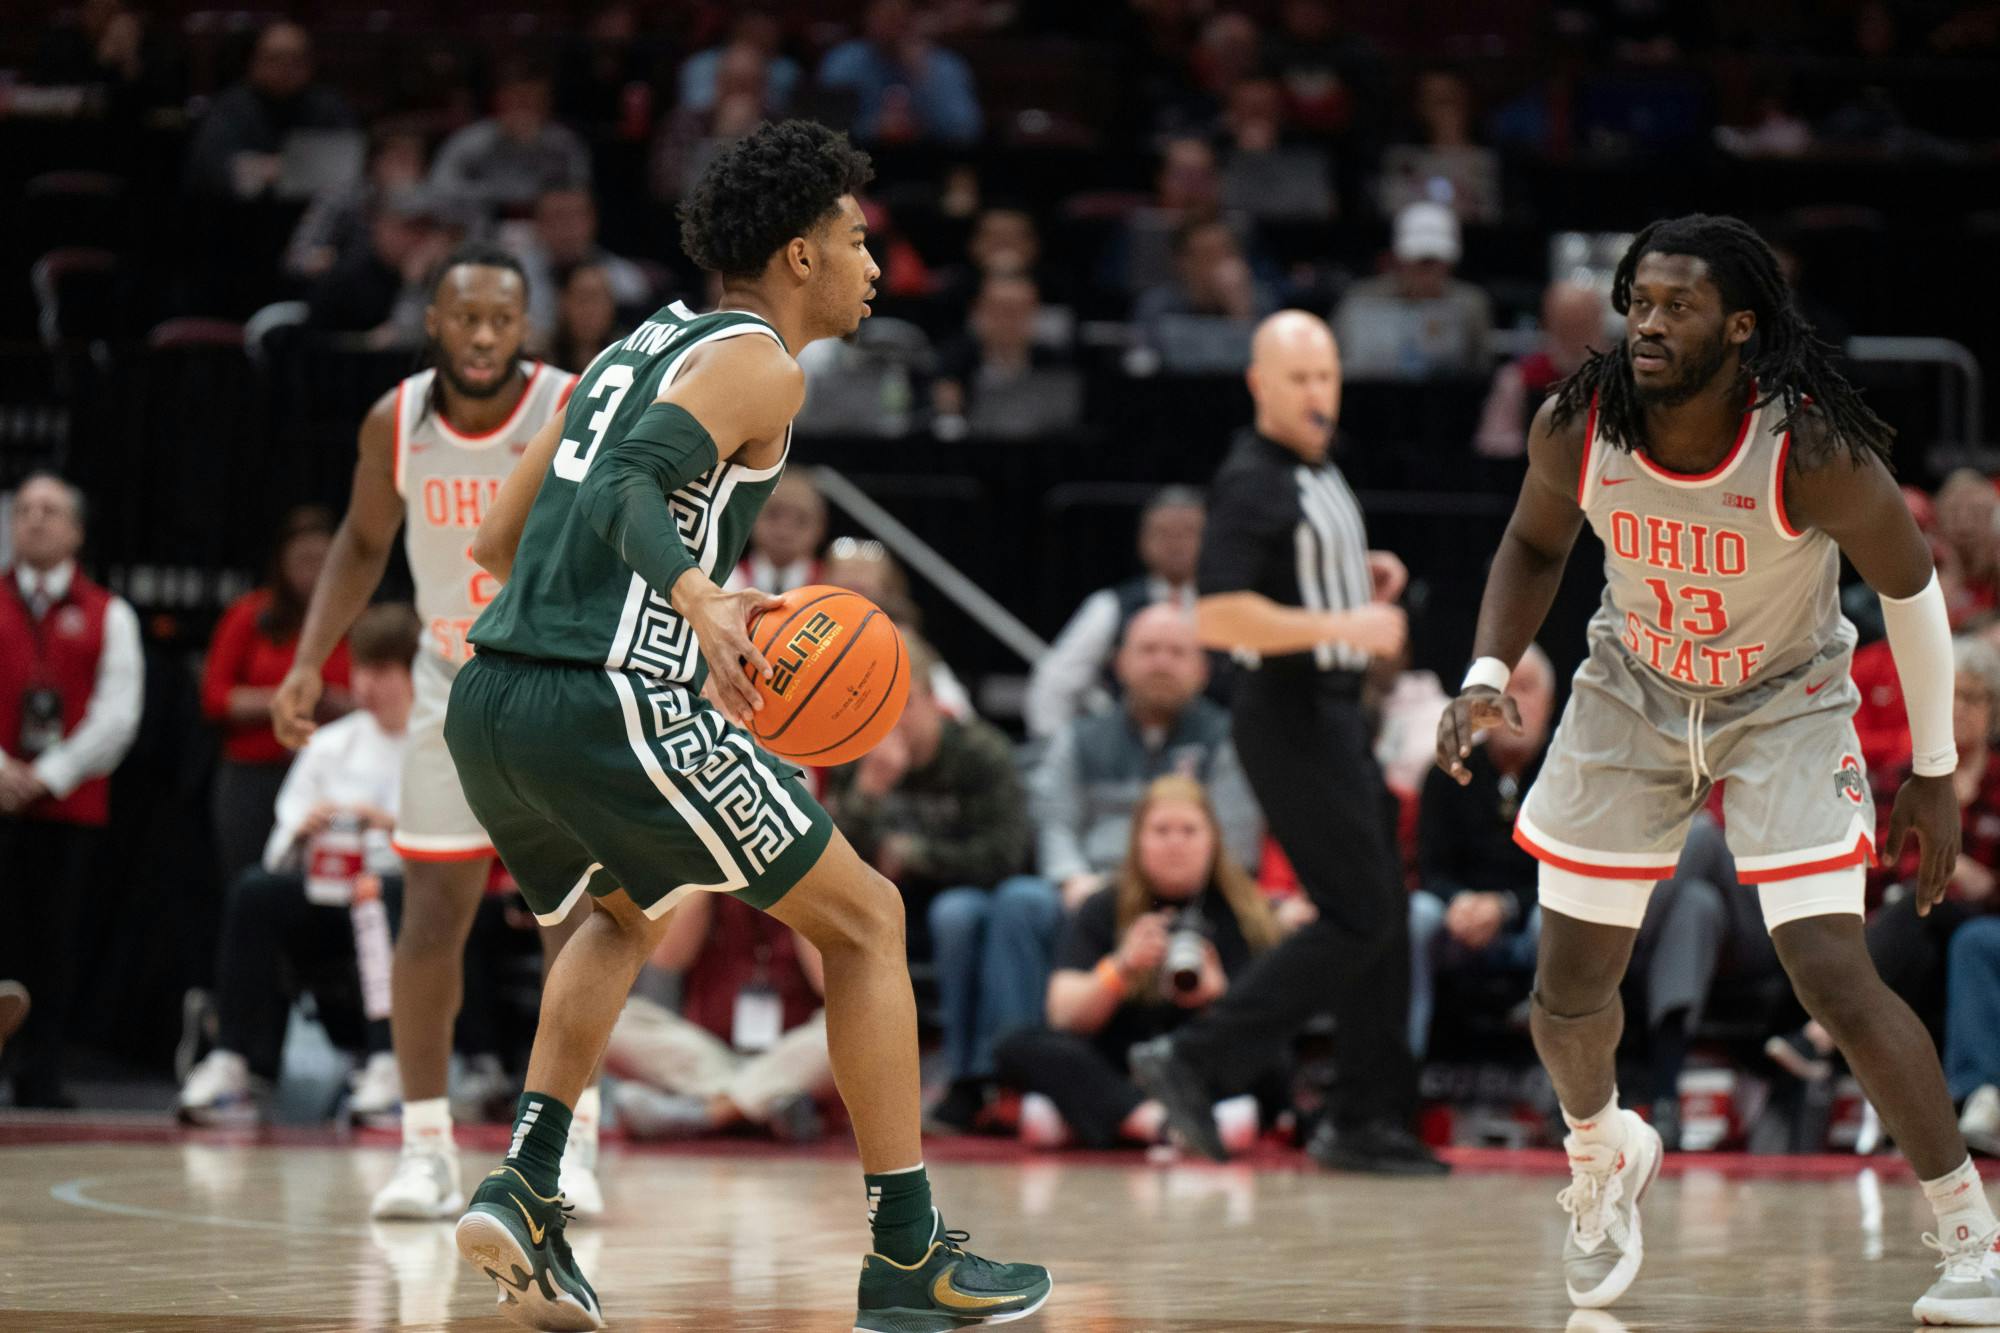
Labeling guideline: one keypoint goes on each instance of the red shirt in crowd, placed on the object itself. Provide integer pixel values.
(242, 654)
(744, 947)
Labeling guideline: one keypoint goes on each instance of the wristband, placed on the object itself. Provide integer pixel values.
(1110, 975)
(1490, 672)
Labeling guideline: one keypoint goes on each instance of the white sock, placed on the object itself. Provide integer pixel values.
(583, 1117)
(1959, 1200)
(427, 1124)
(1605, 1129)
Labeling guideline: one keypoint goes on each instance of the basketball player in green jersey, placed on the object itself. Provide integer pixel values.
(597, 729)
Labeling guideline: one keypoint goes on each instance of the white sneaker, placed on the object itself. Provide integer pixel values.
(219, 1091)
(1042, 1125)
(1980, 1122)
(578, 1181)
(1967, 1293)
(1603, 1250)
(425, 1187)
(375, 1091)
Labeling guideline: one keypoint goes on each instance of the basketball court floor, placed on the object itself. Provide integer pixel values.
(137, 1228)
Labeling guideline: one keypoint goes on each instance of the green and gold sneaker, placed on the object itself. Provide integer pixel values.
(949, 1288)
(515, 1236)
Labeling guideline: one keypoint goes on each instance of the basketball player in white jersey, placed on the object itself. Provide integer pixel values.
(1727, 466)
(433, 452)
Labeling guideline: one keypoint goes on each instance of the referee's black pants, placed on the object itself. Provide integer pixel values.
(1304, 744)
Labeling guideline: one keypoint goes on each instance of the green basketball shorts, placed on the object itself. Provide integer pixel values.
(590, 780)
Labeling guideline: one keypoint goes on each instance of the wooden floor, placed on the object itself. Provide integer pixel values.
(184, 1234)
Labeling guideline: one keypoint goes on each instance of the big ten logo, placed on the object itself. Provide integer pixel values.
(480, 587)
(808, 641)
(458, 502)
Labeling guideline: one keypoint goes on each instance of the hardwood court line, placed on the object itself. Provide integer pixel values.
(75, 1193)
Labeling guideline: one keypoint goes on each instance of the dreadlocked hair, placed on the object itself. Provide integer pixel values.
(1784, 357)
(476, 254)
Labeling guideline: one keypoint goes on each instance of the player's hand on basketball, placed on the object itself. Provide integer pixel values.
(1927, 808)
(1480, 708)
(293, 704)
(1378, 629)
(721, 624)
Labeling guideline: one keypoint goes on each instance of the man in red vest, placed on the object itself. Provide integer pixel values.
(71, 686)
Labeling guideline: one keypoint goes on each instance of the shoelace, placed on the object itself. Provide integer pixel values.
(1966, 1261)
(955, 1241)
(1588, 1199)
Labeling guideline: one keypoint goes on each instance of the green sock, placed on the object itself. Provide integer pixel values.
(541, 1129)
(899, 1211)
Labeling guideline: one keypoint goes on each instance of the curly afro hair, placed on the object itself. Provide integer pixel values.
(775, 183)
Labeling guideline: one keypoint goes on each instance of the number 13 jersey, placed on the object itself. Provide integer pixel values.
(571, 598)
(1706, 582)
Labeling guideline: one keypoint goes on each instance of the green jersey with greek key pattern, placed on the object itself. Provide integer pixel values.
(571, 598)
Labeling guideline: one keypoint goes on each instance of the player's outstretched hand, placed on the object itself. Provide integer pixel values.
(1927, 807)
(292, 706)
(721, 624)
(1480, 708)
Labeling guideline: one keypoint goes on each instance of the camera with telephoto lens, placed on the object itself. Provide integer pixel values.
(1187, 950)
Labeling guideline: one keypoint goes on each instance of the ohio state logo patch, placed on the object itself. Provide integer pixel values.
(1850, 780)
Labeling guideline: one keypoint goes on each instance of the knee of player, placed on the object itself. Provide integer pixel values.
(1829, 967)
(867, 918)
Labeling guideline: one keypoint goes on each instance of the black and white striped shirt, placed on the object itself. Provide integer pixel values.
(1290, 530)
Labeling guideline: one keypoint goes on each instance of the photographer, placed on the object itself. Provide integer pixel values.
(1136, 960)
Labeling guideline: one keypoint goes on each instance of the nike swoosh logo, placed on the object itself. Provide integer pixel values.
(1613, 481)
(951, 1298)
(1815, 689)
(535, 1233)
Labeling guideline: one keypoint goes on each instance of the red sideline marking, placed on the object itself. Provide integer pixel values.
(26, 1130)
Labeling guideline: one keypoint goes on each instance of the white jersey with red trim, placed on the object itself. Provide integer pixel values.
(447, 481)
(1706, 582)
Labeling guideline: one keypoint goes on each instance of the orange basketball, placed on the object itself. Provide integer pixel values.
(839, 676)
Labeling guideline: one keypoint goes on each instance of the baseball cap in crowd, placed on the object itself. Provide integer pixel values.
(1425, 230)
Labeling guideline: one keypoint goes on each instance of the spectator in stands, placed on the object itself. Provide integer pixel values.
(1212, 278)
(1440, 162)
(1095, 770)
(250, 653)
(381, 289)
(1700, 925)
(1909, 950)
(995, 382)
(1114, 984)
(1004, 244)
(237, 150)
(14, 1005)
(748, 1046)
(563, 237)
(756, 30)
(106, 44)
(587, 319)
(1971, 1031)
(1416, 321)
(741, 96)
(336, 223)
(908, 88)
(289, 921)
(785, 540)
(1573, 316)
(1333, 81)
(71, 690)
(1187, 188)
(1070, 679)
(1475, 911)
(1968, 513)
(938, 804)
(506, 161)
(866, 567)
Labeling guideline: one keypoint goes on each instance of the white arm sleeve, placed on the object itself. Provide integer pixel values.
(1920, 641)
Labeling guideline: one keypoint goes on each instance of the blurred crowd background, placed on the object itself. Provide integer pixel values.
(223, 226)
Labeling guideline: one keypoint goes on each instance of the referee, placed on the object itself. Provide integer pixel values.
(1289, 586)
